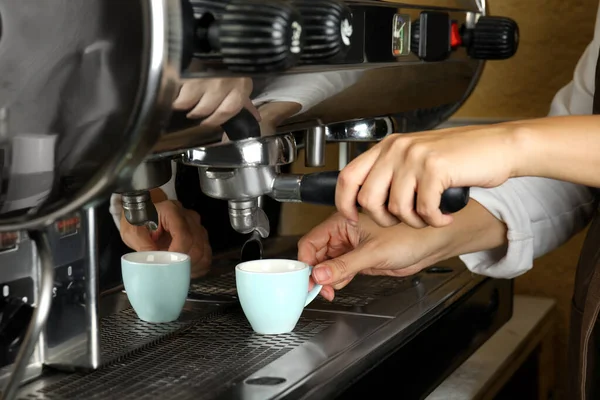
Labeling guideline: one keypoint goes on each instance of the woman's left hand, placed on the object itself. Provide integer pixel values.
(385, 179)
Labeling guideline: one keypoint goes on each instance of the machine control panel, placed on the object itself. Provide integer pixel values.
(249, 36)
(328, 29)
(435, 35)
(9, 241)
(68, 226)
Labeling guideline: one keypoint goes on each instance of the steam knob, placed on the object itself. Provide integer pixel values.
(493, 38)
(250, 36)
(328, 29)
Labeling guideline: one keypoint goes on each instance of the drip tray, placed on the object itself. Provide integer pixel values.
(124, 333)
(208, 357)
(370, 295)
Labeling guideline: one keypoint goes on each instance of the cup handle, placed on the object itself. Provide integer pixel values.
(312, 294)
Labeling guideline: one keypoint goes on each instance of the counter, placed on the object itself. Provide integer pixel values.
(380, 333)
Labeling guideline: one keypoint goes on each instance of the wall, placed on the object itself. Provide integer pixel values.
(554, 33)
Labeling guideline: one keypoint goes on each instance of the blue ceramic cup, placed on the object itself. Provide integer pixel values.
(273, 293)
(156, 283)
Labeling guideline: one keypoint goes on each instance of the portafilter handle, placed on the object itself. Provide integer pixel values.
(319, 188)
(241, 126)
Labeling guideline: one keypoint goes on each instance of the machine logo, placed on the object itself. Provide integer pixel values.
(346, 30)
(296, 35)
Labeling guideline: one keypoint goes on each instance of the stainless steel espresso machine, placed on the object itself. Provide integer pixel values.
(86, 94)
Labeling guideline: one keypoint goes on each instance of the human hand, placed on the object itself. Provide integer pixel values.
(215, 99)
(179, 230)
(339, 249)
(274, 114)
(398, 167)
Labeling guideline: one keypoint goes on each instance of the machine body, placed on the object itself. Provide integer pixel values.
(86, 111)
(415, 73)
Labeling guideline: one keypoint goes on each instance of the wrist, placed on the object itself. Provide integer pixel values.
(524, 151)
(474, 229)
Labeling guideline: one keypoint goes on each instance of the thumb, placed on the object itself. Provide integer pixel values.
(339, 269)
(139, 239)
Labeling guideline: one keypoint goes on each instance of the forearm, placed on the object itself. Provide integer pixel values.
(563, 148)
(474, 229)
(540, 214)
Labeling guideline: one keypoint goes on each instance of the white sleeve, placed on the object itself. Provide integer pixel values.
(308, 90)
(541, 214)
(116, 204)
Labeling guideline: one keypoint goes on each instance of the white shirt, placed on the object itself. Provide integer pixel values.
(541, 214)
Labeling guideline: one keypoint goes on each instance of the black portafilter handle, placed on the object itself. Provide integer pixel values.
(241, 126)
(319, 188)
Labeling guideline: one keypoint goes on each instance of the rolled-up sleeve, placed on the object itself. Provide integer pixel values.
(308, 90)
(540, 214)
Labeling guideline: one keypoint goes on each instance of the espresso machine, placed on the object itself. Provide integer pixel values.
(86, 111)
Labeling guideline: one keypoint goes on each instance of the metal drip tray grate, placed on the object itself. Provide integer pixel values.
(200, 362)
(124, 332)
(365, 289)
(360, 292)
(222, 284)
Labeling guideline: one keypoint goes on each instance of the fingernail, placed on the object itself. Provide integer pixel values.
(352, 222)
(321, 273)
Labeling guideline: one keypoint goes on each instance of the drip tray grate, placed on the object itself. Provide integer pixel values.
(363, 289)
(123, 333)
(199, 362)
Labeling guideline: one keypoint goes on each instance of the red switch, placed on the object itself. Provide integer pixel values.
(455, 38)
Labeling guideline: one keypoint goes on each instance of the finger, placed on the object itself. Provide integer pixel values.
(207, 105)
(231, 105)
(429, 198)
(138, 238)
(351, 179)
(344, 283)
(328, 293)
(189, 95)
(173, 221)
(196, 253)
(402, 201)
(373, 196)
(336, 270)
(312, 247)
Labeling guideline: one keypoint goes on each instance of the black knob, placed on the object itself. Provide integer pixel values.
(493, 38)
(250, 36)
(327, 27)
(430, 36)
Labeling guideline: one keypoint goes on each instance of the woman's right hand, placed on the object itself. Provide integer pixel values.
(339, 249)
(215, 99)
(179, 230)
